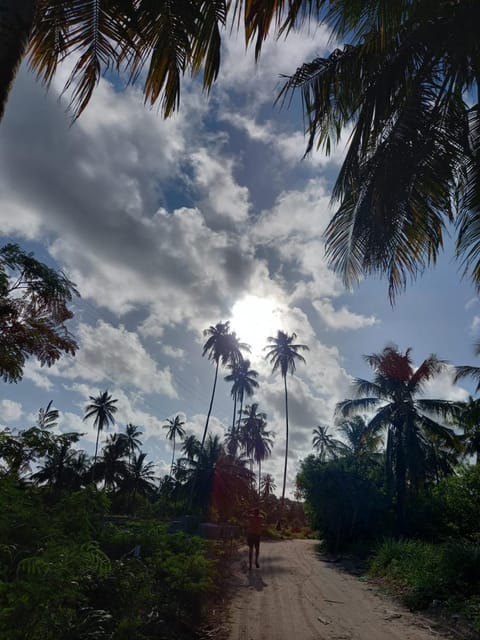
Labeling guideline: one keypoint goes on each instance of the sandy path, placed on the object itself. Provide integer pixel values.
(296, 596)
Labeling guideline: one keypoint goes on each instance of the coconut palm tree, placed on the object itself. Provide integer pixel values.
(361, 441)
(283, 354)
(110, 466)
(175, 430)
(468, 371)
(191, 446)
(141, 476)
(131, 439)
(102, 408)
(165, 40)
(222, 346)
(406, 86)
(267, 485)
(59, 470)
(258, 440)
(326, 445)
(469, 420)
(244, 383)
(405, 417)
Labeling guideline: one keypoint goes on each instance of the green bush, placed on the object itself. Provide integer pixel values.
(425, 572)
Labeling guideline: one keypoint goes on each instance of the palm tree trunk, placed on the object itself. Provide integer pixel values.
(95, 456)
(259, 476)
(234, 411)
(173, 457)
(16, 20)
(286, 447)
(210, 407)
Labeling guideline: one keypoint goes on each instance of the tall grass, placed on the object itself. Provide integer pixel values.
(424, 572)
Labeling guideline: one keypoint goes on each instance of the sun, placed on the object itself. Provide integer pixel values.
(254, 319)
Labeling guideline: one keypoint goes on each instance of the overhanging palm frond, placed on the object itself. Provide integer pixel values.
(348, 408)
(446, 409)
(467, 371)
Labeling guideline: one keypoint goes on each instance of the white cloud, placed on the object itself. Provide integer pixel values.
(343, 318)
(10, 410)
(113, 354)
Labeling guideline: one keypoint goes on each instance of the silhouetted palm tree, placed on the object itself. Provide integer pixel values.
(260, 441)
(60, 467)
(222, 346)
(267, 485)
(175, 430)
(244, 383)
(361, 440)
(103, 409)
(283, 355)
(191, 446)
(469, 420)
(110, 466)
(141, 476)
(326, 445)
(131, 439)
(393, 393)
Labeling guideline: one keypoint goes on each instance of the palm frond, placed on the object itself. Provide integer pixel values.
(348, 408)
(466, 371)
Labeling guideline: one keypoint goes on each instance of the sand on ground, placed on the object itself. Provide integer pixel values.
(297, 596)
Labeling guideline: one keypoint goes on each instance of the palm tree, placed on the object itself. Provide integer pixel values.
(191, 446)
(131, 439)
(103, 409)
(405, 417)
(141, 476)
(412, 161)
(110, 467)
(326, 445)
(175, 430)
(467, 371)
(267, 485)
(258, 441)
(59, 470)
(244, 383)
(469, 420)
(221, 346)
(283, 355)
(361, 441)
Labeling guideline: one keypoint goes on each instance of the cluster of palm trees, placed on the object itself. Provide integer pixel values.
(48, 459)
(223, 346)
(423, 438)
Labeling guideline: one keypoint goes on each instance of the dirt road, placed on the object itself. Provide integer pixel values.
(296, 596)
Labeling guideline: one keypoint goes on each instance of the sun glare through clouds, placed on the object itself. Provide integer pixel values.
(254, 319)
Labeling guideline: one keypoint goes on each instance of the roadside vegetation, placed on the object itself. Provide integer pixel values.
(400, 487)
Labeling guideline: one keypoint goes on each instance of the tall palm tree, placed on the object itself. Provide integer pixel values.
(131, 439)
(258, 440)
(222, 346)
(283, 354)
(243, 383)
(110, 466)
(407, 84)
(404, 416)
(175, 430)
(326, 445)
(141, 476)
(102, 408)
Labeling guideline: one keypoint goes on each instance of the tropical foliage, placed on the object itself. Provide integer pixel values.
(34, 311)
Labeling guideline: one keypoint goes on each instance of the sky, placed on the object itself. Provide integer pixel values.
(170, 226)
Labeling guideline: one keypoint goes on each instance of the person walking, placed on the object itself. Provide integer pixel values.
(254, 531)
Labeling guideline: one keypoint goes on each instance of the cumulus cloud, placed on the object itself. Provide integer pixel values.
(342, 318)
(10, 411)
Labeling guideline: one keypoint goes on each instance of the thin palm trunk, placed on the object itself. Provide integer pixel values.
(234, 411)
(286, 447)
(95, 456)
(210, 407)
(16, 20)
(173, 457)
(259, 475)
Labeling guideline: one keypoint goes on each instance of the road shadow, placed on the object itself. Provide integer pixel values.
(256, 581)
